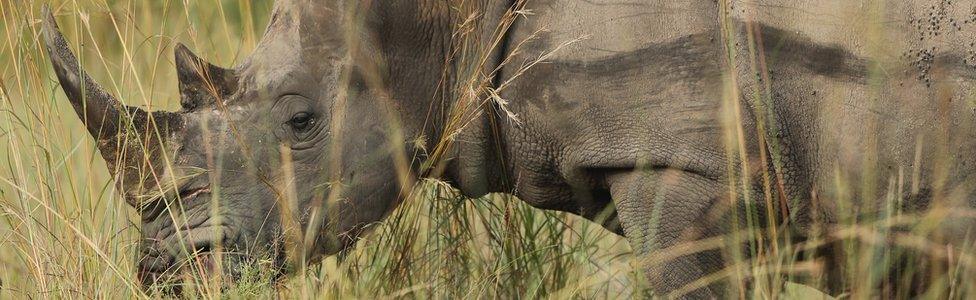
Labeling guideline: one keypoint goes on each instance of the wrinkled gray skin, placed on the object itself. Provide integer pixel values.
(626, 127)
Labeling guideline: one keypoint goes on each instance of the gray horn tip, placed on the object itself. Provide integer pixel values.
(54, 42)
(186, 58)
(49, 26)
(181, 50)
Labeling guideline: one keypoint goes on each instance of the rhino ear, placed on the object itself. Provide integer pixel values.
(201, 83)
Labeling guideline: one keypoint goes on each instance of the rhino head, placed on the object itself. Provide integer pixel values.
(304, 143)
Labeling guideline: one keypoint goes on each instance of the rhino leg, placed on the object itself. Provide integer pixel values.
(662, 210)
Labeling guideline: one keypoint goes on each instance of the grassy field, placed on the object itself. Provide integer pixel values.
(65, 232)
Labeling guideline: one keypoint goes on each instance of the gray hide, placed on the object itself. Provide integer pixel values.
(649, 117)
(655, 110)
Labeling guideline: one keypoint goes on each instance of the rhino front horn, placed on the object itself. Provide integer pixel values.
(105, 117)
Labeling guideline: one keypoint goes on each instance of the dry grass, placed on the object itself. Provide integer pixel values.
(67, 233)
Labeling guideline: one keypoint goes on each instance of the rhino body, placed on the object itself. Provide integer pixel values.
(665, 121)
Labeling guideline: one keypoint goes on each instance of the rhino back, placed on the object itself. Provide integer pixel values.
(838, 86)
(876, 97)
(621, 82)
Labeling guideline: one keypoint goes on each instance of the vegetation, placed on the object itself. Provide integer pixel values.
(66, 232)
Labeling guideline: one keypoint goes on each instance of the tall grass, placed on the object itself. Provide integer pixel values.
(67, 233)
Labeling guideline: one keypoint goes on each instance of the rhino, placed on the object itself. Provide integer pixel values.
(667, 122)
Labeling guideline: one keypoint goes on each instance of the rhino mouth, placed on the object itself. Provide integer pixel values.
(204, 248)
(206, 253)
(191, 193)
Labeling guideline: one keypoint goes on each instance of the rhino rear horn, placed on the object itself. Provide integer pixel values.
(201, 83)
(105, 118)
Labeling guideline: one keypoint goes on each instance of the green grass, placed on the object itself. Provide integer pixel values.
(65, 232)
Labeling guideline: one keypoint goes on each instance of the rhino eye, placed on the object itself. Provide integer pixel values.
(301, 122)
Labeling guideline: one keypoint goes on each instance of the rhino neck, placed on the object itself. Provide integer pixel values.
(427, 61)
(477, 165)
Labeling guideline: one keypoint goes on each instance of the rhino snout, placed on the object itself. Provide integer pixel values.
(202, 249)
